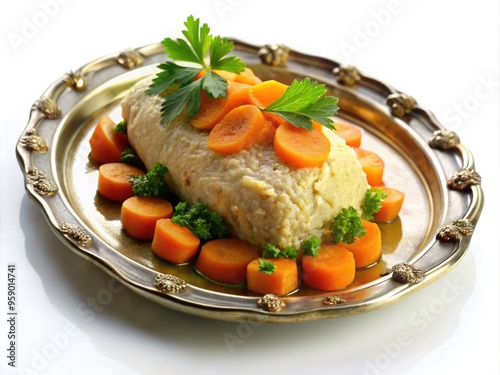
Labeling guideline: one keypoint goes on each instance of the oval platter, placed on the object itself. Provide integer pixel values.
(443, 195)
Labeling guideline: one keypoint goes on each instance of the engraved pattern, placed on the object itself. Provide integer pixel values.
(41, 182)
(274, 54)
(271, 303)
(401, 104)
(463, 179)
(452, 231)
(169, 284)
(333, 300)
(130, 59)
(76, 81)
(444, 140)
(405, 273)
(347, 75)
(77, 233)
(33, 142)
(48, 107)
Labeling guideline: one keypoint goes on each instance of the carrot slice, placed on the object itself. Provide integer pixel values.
(265, 93)
(212, 110)
(332, 269)
(247, 76)
(391, 206)
(367, 249)
(372, 164)
(113, 181)
(301, 148)
(106, 146)
(173, 242)
(240, 129)
(139, 215)
(225, 260)
(283, 281)
(350, 133)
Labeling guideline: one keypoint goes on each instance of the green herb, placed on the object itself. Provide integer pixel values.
(266, 266)
(152, 184)
(177, 82)
(373, 202)
(312, 246)
(347, 226)
(121, 127)
(272, 251)
(129, 156)
(204, 223)
(303, 102)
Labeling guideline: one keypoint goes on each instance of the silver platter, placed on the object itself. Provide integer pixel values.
(443, 195)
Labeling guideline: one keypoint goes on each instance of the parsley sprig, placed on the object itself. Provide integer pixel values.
(204, 223)
(373, 202)
(177, 82)
(303, 102)
(272, 251)
(347, 226)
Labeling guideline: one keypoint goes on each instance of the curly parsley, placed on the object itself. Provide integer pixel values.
(373, 202)
(204, 223)
(346, 226)
(266, 266)
(271, 251)
(152, 184)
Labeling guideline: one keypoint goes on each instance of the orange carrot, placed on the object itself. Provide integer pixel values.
(212, 110)
(113, 181)
(174, 243)
(247, 76)
(332, 269)
(390, 205)
(106, 146)
(240, 129)
(367, 249)
(282, 281)
(265, 93)
(139, 215)
(350, 133)
(225, 260)
(372, 164)
(301, 148)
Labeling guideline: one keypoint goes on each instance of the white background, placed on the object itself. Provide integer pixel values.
(445, 54)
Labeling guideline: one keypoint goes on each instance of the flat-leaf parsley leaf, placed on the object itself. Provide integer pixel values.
(303, 102)
(177, 82)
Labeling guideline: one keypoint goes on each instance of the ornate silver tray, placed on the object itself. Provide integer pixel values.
(443, 199)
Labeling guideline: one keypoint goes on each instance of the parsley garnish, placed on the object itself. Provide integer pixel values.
(204, 223)
(303, 102)
(271, 251)
(121, 127)
(347, 226)
(312, 246)
(266, 266)
(176, 82)
(129, 156)
(373, 202)
(152, 184)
